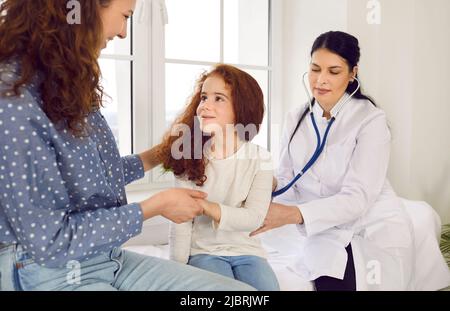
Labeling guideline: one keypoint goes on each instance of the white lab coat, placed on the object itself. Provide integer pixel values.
(345, 198)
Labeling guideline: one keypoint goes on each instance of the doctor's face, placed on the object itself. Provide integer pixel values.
(215, 111)
(115, 15)
(329, 76)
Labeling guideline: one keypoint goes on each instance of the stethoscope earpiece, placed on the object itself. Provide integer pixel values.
(307, 91)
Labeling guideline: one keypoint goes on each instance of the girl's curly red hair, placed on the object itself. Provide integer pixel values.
(36, 33)
(248, 105)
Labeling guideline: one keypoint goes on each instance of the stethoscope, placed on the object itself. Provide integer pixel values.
(320, 144)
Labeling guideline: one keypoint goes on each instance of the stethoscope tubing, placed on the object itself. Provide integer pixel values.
(320, 144)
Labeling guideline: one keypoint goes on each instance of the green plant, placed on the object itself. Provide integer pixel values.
(445, 242)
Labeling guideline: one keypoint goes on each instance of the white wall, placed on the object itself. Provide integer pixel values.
(387, 72)
(430, 156)
(405, 66)
(303, 21)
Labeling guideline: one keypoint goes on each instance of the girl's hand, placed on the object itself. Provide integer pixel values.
(210, 209)
(279, 215)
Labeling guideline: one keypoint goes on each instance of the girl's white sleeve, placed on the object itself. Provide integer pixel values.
(256, 205)
(180, 241)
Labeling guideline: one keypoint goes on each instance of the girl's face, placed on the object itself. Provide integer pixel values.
(329, 76)
(215, 111)
(115, 18)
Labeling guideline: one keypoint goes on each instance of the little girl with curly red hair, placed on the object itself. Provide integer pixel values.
(214, 154)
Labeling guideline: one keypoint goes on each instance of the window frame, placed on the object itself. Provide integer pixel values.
(149, 86)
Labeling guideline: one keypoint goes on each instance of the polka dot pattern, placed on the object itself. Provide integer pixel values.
(62, 197)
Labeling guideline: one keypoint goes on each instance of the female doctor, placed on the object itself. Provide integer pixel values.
(357, 235)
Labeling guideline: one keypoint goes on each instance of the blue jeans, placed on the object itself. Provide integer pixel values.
(116, 270)
(252, 270)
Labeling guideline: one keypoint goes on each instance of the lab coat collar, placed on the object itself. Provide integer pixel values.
(318, 111)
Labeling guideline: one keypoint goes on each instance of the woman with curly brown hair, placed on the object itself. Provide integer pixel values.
(62, 203)
(217, 157)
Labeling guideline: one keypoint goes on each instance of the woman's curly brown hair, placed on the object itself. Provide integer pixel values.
(248, 105)
(36, 34)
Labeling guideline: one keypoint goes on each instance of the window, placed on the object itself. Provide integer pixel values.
(116, 64)
(150, 75)
(126, 79)
(215, 31)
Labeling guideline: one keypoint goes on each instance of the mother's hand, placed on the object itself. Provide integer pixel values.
(177, 205)
(151, 158)
(279, 215)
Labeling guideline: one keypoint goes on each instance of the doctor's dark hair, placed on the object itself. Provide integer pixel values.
(347, 47)
(37, 35)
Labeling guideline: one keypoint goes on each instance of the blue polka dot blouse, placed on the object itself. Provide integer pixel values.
(62, 198)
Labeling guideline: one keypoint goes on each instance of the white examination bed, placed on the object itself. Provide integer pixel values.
(431, 272)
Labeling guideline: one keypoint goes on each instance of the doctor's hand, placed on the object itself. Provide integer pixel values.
(177, 205)
(278, 216)
(274, 184)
